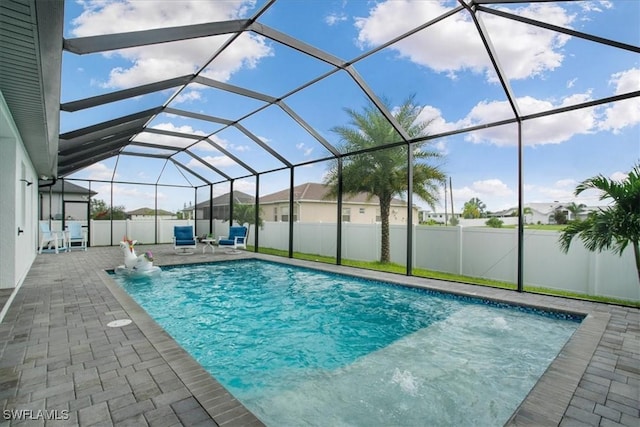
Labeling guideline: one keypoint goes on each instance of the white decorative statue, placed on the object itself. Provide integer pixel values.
(133, 263)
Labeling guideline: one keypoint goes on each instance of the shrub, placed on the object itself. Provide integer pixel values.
(494, 223)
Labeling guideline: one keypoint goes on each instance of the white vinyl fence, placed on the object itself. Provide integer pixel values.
(470, 251)
(473, 251)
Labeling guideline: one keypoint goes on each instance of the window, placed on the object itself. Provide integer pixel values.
(378, 216)
(346, 214)
(361, 210)
(275, 214)
(284, 214)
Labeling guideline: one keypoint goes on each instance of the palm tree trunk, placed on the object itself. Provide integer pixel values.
(385, 207)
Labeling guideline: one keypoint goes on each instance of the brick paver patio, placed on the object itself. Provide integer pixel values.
(58, 355)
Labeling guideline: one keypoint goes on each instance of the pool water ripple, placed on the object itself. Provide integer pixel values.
(299, 346)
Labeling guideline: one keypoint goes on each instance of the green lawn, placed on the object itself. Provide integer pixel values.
(400, 269)
(549, 227)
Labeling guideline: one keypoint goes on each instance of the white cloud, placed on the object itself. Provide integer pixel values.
(625, 113)
(203, 146)
(595, 6)
(493, 192)
(305, 150)
(245, 186)
(215, 161)
(492, 187)
(562, 191)
(552, 129)
(158, 62)
(619, 176)
(240, 148)
(187, 96)
(169, 140)
(335, 18)
(566, 183)
(132, 197)
(220, 141)
(99, 172)
(483, 188)
(453, 46)
(437, 123)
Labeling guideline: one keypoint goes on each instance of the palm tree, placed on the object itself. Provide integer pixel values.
(474, 208)
(615, 226)
(576, 210)
(383, 173)
(245, 213)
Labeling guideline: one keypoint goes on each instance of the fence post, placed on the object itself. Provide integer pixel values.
(460, 240)
(593, 279)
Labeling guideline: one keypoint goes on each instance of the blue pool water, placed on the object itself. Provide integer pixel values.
(303, 347)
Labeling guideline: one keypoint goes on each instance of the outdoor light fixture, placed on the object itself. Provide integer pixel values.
(28, 182)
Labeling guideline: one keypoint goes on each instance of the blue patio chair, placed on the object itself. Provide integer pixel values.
(76, 236)
(184, 238)
(237, 238)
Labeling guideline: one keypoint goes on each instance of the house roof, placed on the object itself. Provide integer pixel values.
(543, 208)
(223, 200)
(69, 188)
(316, 192)
(148, 212)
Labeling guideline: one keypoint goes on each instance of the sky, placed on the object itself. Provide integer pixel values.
(444, 66)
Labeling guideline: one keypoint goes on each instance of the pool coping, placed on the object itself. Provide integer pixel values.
(223, 408)
(545, 404)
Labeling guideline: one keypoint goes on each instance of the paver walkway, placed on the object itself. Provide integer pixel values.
(58, 355)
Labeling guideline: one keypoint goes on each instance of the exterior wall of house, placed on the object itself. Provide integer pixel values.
(18, 204)
(51, 207)
(325, 212)
(437, 216)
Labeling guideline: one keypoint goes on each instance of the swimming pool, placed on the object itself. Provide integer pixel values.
(298, 346)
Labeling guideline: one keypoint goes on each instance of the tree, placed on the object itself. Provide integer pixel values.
(245, 213)
(559, 216)
(101, 211)
(526, 211)
(576, 209)
(474, 208)
(383, 173)
(613, 227)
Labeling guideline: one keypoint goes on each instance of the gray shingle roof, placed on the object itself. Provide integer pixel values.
(69, 187)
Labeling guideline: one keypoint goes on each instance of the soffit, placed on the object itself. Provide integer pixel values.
(30, 58)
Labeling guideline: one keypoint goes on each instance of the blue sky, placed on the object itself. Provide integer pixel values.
(444, 66)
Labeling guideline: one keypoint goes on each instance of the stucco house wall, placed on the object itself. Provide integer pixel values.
(18, 210)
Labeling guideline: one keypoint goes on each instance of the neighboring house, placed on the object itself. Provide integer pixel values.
(311, 205)
(544, 213)
(148, 213)
(218, 207)
(426, 216)
(75, 204)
